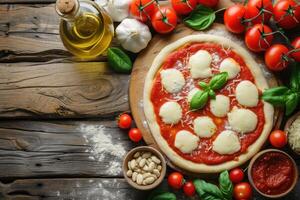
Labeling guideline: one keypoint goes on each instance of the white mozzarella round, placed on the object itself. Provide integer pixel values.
(199, 64)
(227, 142)
(186, 142)
(170, 112)
(204, 127)
(230, 66)
(247, 94)
(172, 80)
(220, 106)
(242, 120)
(191, 94)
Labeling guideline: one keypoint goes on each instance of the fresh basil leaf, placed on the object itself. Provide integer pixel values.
(199, 100)
(118, 60)
(161, 195)
(226, 185)
(291, 103)
(275, 100)
(207, 191)
(218, 81)
(276, 91)
(203, 85)
(212, 94)
(200, 18)
(295, 77)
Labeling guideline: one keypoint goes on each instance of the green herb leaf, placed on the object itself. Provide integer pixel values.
(276, 91)
(212, 94)
(207, 191)
(291, 103)
(275, 100)
(295, 77)
(203, 85)
(118, 60)
(218, 81)
(161, 195)
(199, 100)
(201, 18)
(226, 185)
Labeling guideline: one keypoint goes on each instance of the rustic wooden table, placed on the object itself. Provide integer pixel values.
(58, 136)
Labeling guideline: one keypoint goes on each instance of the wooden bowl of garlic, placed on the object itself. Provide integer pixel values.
(144, 168)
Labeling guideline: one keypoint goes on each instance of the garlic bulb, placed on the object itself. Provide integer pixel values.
(117, 9)
(133, 35)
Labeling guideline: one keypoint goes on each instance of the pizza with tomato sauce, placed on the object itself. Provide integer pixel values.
(234, 122)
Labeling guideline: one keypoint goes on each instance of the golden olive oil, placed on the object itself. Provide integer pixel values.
(88, 31)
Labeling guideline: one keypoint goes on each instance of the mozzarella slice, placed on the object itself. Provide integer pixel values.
(172, 80)
(170, 112)
(186, 142)
(227, 142)
(204, 127)
(242, 120)
(199, 64)
(220, 106)
(191, 94)
(230, 66)
(247, 94)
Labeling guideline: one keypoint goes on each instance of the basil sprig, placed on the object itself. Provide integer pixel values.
(200, 99)
(118, 60)
(161, 195)
(282, 96)
(208, 191)
(200, 18)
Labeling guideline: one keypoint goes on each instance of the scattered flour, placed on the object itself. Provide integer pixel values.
(103, 148)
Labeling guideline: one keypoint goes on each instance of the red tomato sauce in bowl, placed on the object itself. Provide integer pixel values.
(273, 173)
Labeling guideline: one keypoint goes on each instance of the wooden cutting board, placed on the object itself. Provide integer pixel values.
(144, 61)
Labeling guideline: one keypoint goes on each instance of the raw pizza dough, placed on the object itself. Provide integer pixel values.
(260, 82)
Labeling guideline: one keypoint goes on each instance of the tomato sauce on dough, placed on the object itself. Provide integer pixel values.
(179, 60)
(273, 173)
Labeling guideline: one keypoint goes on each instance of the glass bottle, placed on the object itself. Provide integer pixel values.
(86, 30)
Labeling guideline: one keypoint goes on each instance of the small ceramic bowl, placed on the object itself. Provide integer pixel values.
(287, 125)
(129, 156)
(251, 180)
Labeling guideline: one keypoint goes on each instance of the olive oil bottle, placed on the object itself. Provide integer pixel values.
(86, 30)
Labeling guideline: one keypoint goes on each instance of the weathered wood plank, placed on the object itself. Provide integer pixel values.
(61, 149)
(90, 189)
(84, 89)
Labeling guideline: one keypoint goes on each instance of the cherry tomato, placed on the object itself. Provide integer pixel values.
(296, 45)
(164, 20)
(253, 11)
(189, 189)
(135, 134)
(275, 57)
(233, 17)
(209, 3)
(142, 9)
(287, 13)
(278, 138)
(175, 180)
(236, 175)
(242, 191)
(124, 121)
(255, 38)
(184, 7)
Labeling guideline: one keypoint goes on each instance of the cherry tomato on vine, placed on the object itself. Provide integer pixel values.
(209, 3)
(175, 180)
(236, 175)
(135, 134)
(142, 9)
(242, 191)
(296, 45)
(278, 138)
(164, 20)
(287, 13)
(256, 38)
(124, 121)
(233, 18)
(184, 7)
(259, 11)
(189, 189)
(275, 57)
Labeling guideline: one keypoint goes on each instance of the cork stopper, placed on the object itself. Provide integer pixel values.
(66, 6)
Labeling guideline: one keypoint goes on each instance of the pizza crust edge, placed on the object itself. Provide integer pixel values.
(260, 82)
